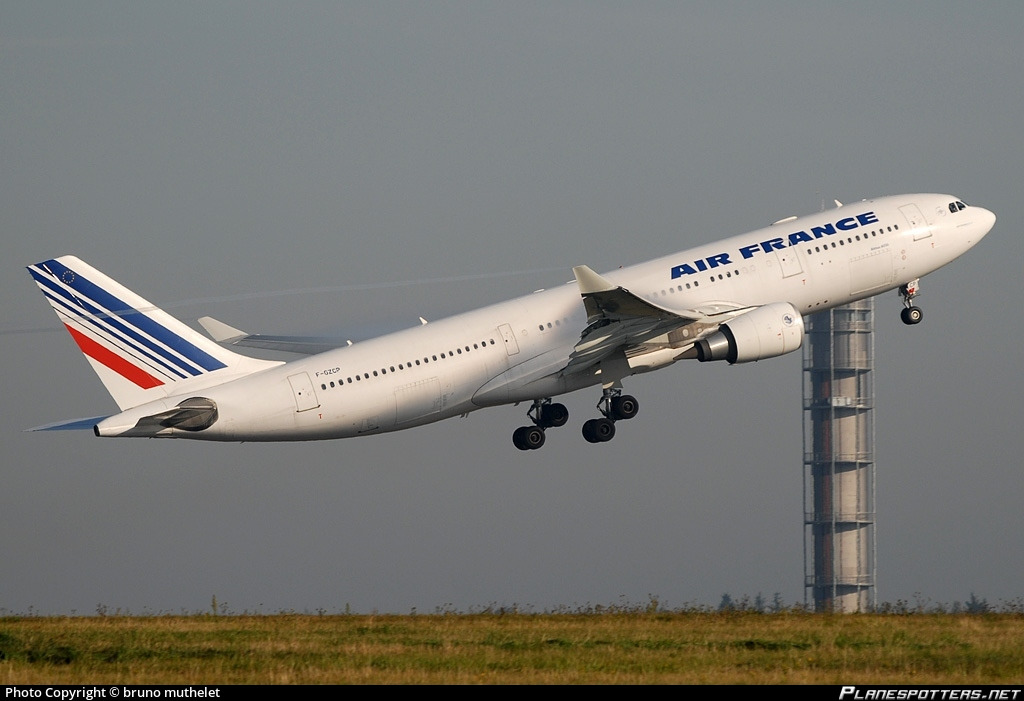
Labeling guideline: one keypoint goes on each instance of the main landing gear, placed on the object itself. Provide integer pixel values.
(910, 315)
(615, 406)
(544, 415)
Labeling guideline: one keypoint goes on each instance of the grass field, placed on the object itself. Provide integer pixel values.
(496, 648)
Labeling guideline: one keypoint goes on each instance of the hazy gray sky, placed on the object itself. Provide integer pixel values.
(197, 151)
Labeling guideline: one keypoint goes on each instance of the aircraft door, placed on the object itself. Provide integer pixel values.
(916, 221)
(871, 271)
(302, 389)
(418, 399)
(788, 262)
(511, 346)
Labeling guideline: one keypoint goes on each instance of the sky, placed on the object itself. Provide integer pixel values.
(346, 167)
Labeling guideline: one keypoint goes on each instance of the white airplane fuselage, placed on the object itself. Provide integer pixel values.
(514, 351)
(739, 299)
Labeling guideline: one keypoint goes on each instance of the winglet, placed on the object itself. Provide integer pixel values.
(590, 282)
(219, 331)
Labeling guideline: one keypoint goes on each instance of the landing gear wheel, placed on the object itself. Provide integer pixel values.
(624, 407)
(528, 437)
(599, 430)
(554, 415)
(911, 315)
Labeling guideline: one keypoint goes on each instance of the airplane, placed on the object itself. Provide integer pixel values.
(738, 300)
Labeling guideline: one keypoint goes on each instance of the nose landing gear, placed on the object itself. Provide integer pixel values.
(910, 315)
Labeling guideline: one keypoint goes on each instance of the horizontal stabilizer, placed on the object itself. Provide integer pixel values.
(303, 345)
(70, 425)
(219, 331)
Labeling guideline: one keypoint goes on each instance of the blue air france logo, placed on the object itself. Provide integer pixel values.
(775, 244)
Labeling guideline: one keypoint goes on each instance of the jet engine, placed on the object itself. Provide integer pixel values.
(765, 332)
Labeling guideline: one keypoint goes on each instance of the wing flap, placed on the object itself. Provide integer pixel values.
(618, 320)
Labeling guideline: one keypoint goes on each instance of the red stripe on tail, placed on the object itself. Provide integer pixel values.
(113, 361)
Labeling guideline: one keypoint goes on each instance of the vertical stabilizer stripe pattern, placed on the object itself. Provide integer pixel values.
(113, 361)
(83, 286)
(139, 352)
(119, 318)
(69, 305)
(70, 314)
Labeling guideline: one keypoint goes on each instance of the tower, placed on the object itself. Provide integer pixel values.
(839, 459)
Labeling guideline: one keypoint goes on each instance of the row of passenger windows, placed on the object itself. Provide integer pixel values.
(552, 324)
(818, 249)
(851, 239)
(558, 322)
(405, 366)
(695, 283)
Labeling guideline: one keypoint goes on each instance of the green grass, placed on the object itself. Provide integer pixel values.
(497, 648)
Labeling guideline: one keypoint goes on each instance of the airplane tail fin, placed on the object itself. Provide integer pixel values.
(139, 351)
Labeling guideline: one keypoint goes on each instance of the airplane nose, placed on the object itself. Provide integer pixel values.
(986, 220)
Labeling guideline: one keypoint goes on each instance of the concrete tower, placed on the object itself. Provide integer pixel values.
(839, 459)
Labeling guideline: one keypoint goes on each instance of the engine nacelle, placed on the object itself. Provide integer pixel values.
(765, 332)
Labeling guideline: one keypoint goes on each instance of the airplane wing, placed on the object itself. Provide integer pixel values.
(303, 345)
(617, 319)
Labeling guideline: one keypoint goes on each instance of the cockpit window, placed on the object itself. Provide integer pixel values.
(955, 207)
